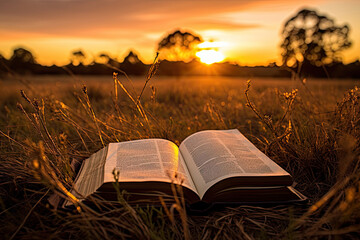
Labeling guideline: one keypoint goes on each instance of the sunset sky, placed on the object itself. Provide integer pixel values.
(248, 31)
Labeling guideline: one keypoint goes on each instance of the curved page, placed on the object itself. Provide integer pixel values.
(214, 155)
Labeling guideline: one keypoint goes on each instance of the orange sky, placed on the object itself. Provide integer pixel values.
(248, 30)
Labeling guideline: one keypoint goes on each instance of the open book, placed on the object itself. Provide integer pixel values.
(216, 166)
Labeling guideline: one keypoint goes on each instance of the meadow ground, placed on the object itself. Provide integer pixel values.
(309, 127)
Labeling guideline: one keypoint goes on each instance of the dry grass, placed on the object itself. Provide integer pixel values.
(313, 132)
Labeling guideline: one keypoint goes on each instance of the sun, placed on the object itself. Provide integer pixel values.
(210, 56)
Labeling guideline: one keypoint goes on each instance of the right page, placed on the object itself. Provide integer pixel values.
(215, 155)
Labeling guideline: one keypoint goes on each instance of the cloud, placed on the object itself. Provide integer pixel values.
(213, 24)
(112, 18)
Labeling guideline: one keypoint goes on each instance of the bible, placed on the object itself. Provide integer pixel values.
(214, 166)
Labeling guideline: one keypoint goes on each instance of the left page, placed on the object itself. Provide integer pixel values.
(90, 176)
(146, 160)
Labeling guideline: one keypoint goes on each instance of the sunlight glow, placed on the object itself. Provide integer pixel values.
(212, 44)
(210, 56)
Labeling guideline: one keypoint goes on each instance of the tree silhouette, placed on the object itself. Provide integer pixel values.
(133, 65)
(103, 57)
(132, 58)
(22, 61)
(22, 55)
(106, 59)
(313, 39)
(78, 57)
(179, 46)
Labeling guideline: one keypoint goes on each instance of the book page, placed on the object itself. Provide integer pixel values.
(90, 176)
(214, 155)
(147, 160)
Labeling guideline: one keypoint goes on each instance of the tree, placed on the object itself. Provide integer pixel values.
(106, 59)
(103, 58)
(313, 39)
(133, 65)
(21, 55)
(179, 46)
(132, 58)
(78, 57)
(22, 61)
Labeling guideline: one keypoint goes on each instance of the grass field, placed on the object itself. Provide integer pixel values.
(311, 128)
